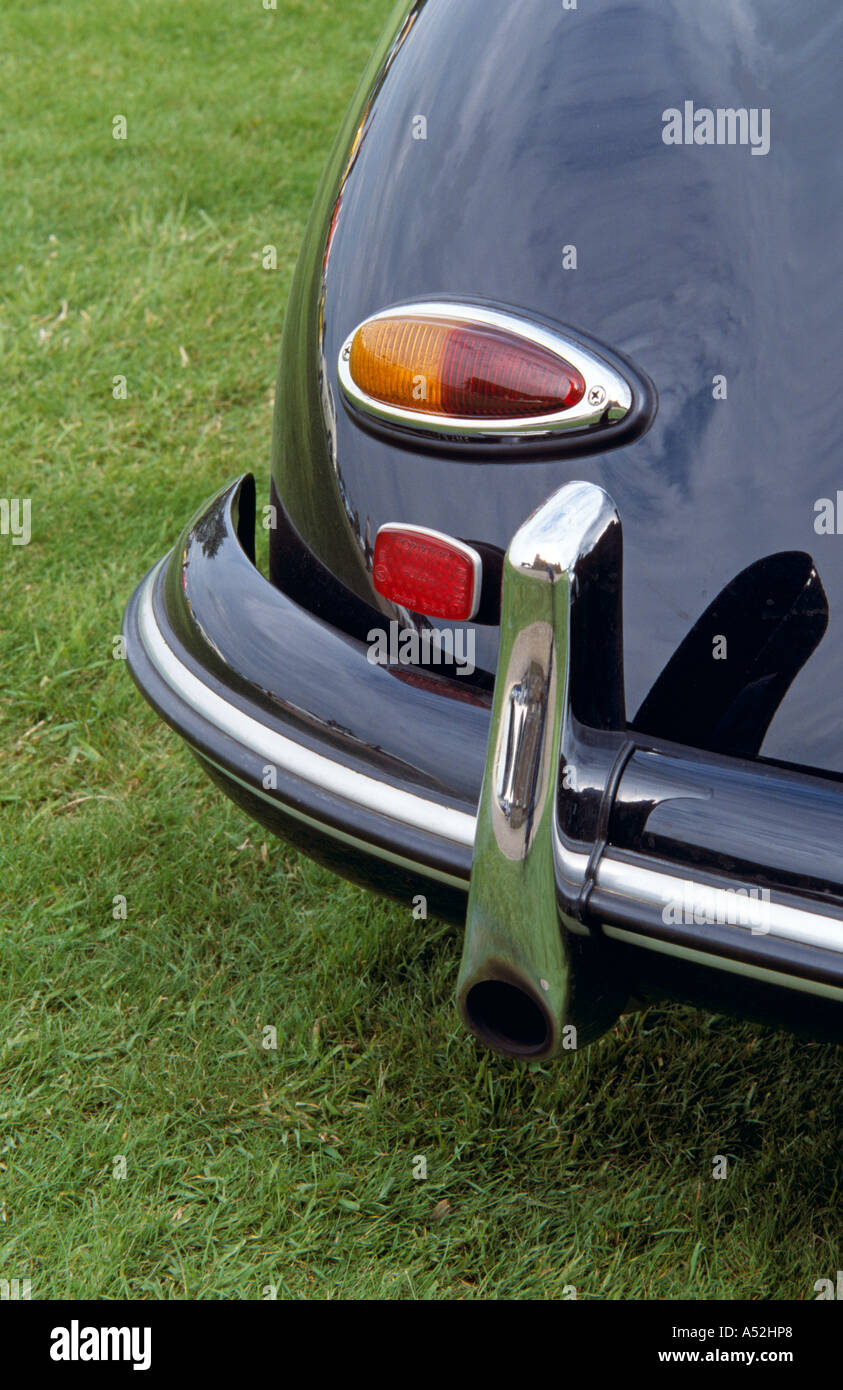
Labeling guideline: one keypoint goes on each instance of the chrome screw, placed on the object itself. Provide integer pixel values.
(596, 395)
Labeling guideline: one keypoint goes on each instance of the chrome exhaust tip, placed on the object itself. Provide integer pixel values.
(506, 1016)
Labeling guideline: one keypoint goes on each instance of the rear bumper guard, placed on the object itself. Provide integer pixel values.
(580, 833)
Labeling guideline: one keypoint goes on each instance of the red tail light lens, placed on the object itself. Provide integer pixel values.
(427, 572)
(441, 366)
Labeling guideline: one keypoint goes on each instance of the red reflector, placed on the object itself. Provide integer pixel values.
(427, 572)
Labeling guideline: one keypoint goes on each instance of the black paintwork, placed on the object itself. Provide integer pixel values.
(544, 130)
(777, 828)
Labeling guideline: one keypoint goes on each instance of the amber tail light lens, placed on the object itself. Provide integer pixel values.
(440, 366)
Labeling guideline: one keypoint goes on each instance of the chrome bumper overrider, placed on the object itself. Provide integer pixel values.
(587, 832)
(586, 835)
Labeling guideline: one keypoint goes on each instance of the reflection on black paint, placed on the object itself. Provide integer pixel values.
(722, 687)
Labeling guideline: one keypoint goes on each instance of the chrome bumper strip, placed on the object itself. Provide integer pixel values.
(697, 901)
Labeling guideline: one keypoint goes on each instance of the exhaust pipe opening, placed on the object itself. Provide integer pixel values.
(508, 1019)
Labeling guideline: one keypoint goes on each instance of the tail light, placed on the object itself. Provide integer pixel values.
(471, 371)
(443, 367)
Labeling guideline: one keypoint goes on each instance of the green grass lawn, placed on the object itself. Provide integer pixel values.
(245, 1167)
